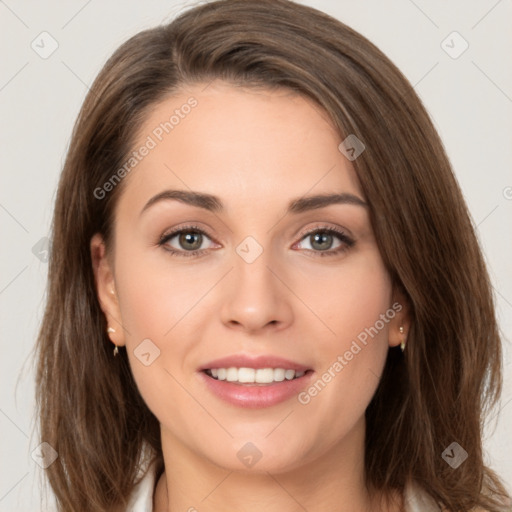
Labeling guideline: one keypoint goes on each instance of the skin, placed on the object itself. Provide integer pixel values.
(256, 150)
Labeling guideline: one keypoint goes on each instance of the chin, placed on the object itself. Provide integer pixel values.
(258, 457)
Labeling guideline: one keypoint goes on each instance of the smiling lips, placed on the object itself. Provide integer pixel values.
(254, 382)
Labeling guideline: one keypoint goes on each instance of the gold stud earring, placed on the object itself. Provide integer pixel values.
(402, 344)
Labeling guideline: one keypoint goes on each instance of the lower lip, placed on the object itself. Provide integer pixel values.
(256, 396)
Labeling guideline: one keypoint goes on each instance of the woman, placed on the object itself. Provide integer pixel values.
(327, 340)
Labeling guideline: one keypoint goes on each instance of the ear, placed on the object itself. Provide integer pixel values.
(402, 318)
(106, 290)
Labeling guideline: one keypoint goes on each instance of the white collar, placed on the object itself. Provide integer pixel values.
(416, 499)
(141, 499)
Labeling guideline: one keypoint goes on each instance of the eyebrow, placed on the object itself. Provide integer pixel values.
(214, 204)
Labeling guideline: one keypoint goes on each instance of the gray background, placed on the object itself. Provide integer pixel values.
(469, 99)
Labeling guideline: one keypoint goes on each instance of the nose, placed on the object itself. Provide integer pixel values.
(257, 298)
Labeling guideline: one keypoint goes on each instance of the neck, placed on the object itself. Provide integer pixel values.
(333, 480)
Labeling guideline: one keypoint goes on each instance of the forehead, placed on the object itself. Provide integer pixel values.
(251, 147)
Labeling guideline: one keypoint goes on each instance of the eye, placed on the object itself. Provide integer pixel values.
(189, 239)
(321, 240)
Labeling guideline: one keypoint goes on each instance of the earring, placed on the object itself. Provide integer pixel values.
(402, 344)
(116, 350)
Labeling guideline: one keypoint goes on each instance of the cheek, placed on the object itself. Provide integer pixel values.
(347, 300)
(154, 310)
(160, 304)
(355, 305)
(154, 296)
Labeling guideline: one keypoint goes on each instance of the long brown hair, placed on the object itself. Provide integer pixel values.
(436, 393)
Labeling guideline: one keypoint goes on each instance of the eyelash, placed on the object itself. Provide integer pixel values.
(347, 241)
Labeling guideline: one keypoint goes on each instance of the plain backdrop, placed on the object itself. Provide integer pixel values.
(467, 93)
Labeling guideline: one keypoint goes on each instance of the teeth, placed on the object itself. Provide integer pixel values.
(250, 375)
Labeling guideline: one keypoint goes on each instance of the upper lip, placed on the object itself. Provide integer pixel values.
(261, 361)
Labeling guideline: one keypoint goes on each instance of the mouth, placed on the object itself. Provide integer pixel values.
(254, 381)
(255, 376)
(255, 388)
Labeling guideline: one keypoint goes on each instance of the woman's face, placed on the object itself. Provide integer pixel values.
(269, 280)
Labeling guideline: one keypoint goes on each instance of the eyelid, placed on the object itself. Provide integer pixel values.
(325, 227)
(187, 227)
